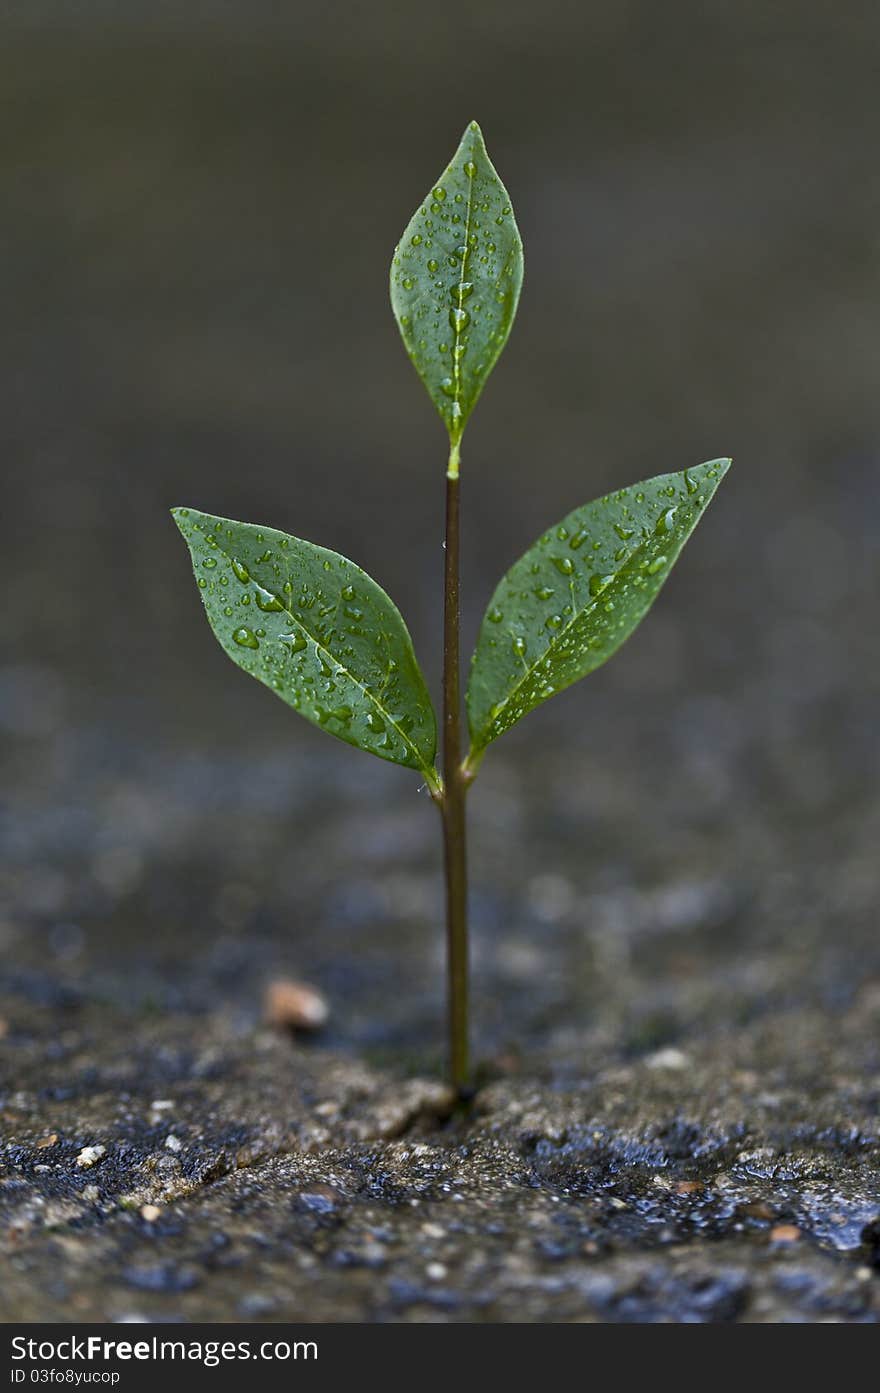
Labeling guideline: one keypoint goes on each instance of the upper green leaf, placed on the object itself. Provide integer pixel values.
(317, 630)
(455, 281)
(578, 593)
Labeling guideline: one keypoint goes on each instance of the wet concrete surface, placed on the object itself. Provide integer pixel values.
(679, 1076)
(242, 1178)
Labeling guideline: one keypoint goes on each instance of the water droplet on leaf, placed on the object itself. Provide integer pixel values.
(461, 291)
(266, 601)
(599, 582)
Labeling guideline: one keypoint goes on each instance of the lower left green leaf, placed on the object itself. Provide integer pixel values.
(318, 631)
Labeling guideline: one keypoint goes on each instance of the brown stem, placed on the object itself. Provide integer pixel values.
(452, 804)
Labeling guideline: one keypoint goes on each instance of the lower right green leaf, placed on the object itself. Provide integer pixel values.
(578, 593)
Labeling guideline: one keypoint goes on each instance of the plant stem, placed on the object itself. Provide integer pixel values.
(452, 805)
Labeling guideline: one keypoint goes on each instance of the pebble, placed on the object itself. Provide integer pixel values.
(295, 1005)
(173, 1143)
(90, 1156)
(668, 1058)
(50, 1140)
(162, 1277)
(150, 1213)
(256, 1304)
(436, 1271)
(321, 1199)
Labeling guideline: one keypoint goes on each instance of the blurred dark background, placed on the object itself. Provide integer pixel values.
(199, 205)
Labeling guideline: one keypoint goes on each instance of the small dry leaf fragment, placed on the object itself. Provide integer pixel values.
(44, 1142)
(90, 1156)
(295, 1005)
(785, 1233)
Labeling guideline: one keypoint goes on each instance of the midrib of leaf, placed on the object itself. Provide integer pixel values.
(456, 356)
(557, 639)
(384, 712)
(429, 773)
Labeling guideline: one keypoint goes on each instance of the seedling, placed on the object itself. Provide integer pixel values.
(318, 631)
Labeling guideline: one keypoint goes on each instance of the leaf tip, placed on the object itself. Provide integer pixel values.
(474, 137)
(713, 470)
(722, 465)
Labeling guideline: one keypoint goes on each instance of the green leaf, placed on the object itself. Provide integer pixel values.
(566, 606)
(318, 631)
(455, 281)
